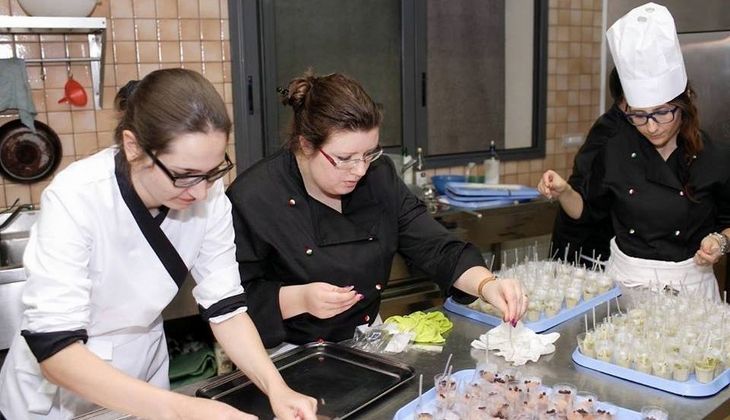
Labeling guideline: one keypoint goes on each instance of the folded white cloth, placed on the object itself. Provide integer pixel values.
(517, 346)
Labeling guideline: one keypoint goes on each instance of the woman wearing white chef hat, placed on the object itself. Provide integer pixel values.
(663, 183)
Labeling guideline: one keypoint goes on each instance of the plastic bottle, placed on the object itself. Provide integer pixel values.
(470, 173)
(491, 165)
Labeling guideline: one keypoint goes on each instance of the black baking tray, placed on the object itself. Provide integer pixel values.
(342, 379)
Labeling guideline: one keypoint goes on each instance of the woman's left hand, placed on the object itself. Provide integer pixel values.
(508, 296)
(290, 405)
(709, 252)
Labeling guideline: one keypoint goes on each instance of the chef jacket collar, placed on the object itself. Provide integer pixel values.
(657, 170)
(361, 212)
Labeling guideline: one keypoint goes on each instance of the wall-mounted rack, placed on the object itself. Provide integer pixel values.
(93, 27)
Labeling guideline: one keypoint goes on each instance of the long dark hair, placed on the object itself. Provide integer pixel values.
(689, 130)
(327, 104)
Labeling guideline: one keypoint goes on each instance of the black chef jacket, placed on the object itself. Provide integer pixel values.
(285, 237)
(590, 237)
(653, 217)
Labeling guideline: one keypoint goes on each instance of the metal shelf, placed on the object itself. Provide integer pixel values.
(51, 25)
(93, 27)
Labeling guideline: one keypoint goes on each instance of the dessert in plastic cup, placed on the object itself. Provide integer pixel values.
(642, 361)
(622, 356)
(604, 350)
(572, 297)
(534, 309)
(681, 369)
(661, 368)
(590, 290)
(654, 413)
(563, 395)
(705, 369)
(587, 344)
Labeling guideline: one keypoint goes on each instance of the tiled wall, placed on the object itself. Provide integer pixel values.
(574, 51)
(141, 36)
(144, 35)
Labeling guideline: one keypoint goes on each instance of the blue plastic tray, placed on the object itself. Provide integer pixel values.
(690, 388)
(477, 205)
(406, 412)
(543, 323)
(467, 189)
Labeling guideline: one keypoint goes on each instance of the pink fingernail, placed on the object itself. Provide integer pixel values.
(359, 296)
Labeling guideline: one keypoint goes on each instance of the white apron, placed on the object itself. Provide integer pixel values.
(684, 276)
(139, 353)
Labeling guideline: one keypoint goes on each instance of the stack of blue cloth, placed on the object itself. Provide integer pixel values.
(481, 196)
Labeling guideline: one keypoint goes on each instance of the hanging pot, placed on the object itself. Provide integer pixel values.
(25, 156)
(74, 93)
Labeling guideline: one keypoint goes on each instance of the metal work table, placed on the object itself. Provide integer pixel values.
(554, 368)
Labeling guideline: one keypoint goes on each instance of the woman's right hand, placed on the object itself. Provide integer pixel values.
(325, 300)
(551, 184)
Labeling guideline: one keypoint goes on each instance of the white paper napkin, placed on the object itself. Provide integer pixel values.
(524, 345)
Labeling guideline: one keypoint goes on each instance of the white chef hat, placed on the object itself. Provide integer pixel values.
(646, 51)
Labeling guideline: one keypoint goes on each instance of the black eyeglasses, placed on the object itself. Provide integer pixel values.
(187, 181)
(348, 164)
(663, 116)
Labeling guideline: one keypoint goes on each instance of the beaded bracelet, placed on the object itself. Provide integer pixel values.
(722, 240)
(483, 283)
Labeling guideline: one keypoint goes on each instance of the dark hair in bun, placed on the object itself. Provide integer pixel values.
(324, 105)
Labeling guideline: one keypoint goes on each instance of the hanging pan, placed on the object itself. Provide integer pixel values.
(25, 156)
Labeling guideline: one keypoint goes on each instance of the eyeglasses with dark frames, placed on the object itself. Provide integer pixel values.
(187, 181)
(663, 116)
(348, 164)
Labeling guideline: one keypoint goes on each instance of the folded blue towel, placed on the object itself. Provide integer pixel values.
(15, 90)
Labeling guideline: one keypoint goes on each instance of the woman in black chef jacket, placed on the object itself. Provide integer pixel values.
(663, 183)
(117, 235)
(318, 223)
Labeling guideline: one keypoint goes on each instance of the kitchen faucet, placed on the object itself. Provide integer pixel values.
(418, 162)
(15, 213)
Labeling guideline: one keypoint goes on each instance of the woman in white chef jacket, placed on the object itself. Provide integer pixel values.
(117, 234)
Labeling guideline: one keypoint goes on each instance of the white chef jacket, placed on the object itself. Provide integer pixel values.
(90, 268)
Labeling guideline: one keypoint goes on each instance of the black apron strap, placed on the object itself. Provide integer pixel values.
(150, 226)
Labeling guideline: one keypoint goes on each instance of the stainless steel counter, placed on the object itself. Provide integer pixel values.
(554, 368)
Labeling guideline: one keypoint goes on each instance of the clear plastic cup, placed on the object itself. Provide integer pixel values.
(604, 350)
(563, 395)
(553, 305)
(532, 383)
(681, 369)
(605, 411)
(605, 283)
(585, 402)
(705, 369)
(590, 290)
(622, 355)
(572, 296)
(586, 344)
(446, 389)
(534, 309)
(487, 371)
(662, 368)
(654, 413)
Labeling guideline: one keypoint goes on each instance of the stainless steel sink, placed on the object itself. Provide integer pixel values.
(11, 252)
(13, 240)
